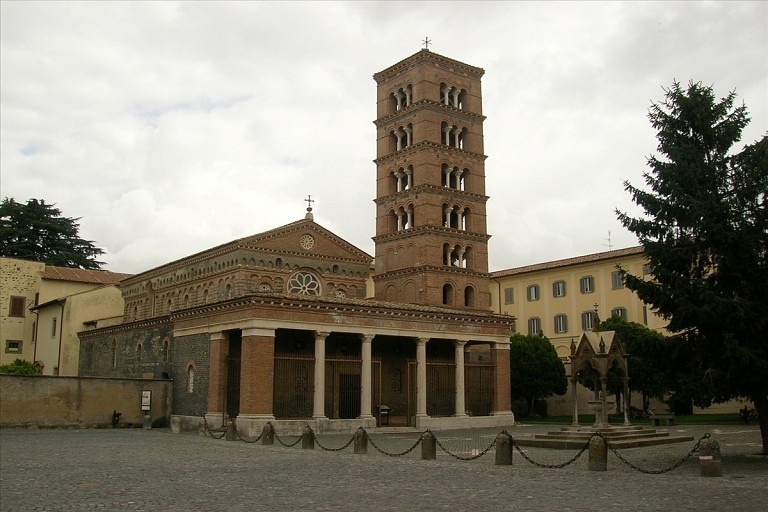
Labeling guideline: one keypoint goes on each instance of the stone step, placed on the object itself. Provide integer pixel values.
(577, 444)
(613, 437)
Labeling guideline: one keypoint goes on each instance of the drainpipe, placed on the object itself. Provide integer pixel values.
(61, 332)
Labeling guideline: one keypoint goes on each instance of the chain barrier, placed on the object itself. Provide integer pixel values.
(471, 457)
(659, 471)
(249, 441)
(287, 445)
(209, 432)
(334, 449)
(551, 466)
(491, 446)
(399, 454)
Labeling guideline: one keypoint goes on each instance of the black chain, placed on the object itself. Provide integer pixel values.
(471, 457)
(406, 452)
(208, 430)
(247, 440)
(664, 470)
(285, 444)
(334, 449)
(551, 466)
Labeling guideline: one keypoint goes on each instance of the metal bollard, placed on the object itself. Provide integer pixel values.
(598, 454)
(147, 422)
(710, 462)
(268, 434)
(308, 438)
(202, 431)
(361, 441)
(503, 449)
(428, 446)
(231, 434)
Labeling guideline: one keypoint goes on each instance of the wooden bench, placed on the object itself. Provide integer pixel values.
(667, 417)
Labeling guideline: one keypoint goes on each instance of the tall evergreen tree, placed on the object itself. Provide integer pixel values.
(536, 370)
(36, 231)
(705, 233)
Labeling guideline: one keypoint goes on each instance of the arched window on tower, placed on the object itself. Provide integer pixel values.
(448, 294)
(469, 297)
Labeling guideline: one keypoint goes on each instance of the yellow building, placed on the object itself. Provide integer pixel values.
(560, 298)
(27, 285)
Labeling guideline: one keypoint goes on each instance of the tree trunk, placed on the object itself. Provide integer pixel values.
(761, 406)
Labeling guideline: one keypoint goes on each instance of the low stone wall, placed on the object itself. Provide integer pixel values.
(82, 402)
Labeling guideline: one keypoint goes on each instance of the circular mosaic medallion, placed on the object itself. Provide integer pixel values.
(307, 242)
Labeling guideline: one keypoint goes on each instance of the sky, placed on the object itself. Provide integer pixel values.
(168, 127)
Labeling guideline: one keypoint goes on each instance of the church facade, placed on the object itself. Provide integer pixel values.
(280, 326)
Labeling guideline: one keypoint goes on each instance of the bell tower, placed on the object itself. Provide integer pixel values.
(431, 236)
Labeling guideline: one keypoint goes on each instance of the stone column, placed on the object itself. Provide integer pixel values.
(575, 396)
(502, 398)
(421, 378)
(365, 377)
(461, 408)
(257, 374)
(217, 376)
(318, 405)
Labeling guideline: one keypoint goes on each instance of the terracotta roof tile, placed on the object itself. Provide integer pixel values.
(589, 258)
(82, 275)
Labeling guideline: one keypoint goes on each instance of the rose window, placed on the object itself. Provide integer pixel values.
(304, 283)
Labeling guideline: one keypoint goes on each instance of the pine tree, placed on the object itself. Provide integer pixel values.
(36, 231)
(705, 234)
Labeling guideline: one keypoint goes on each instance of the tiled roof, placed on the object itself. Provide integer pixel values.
(589, 258)
(81, 275)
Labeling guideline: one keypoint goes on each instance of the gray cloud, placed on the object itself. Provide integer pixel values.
(170, 127)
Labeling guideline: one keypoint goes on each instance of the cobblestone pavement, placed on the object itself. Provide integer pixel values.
(134, 469)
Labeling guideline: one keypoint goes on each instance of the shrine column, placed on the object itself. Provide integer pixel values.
(217, 377)
(365, 377)
(421, 378)
(460, 405)
(318, 408)
(257, 374)
(502, 398)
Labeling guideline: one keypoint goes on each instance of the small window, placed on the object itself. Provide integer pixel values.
(620, 312)
(264, 288)
(17, 306)
(534, 326)
(53, 327)
(509, 295)
(587, 284)
(533, 292)
(12, 346)
(588, 320)
(561, 323)
(617, 281)
(558, 289)
(190, 379)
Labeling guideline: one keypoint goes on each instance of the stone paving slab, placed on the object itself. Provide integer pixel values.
(134, 469)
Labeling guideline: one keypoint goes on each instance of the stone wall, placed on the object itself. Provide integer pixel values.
(190, 351)
(80, 401)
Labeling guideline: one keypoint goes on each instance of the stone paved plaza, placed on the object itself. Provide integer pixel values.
(134, 469)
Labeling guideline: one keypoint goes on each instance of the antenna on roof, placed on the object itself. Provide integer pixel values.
(609, 244)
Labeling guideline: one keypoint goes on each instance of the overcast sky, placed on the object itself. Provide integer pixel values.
(172, 127)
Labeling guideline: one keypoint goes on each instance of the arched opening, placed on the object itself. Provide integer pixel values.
(448, 294)
(469, 297)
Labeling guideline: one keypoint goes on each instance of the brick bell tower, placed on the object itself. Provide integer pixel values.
(431, 236)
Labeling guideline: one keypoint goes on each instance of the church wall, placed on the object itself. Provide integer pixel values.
(190, 352)
(142, 352)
